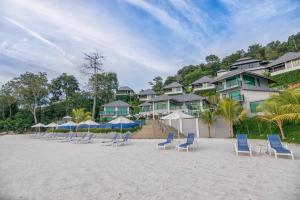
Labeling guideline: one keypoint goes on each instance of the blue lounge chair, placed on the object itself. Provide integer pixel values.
(86, 139)
(242, 145)
(189, 142)
(169, 141)
(123, 141)
(113, 140)
(275, 145)
(70, 138)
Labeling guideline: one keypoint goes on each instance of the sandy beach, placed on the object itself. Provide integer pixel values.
(33, 169)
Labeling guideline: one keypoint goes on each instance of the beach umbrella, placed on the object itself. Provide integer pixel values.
(67, 118)
(121, 120)
(39, 126)
(70, 124)
(89, 123)
(178, 115)
(52, 125)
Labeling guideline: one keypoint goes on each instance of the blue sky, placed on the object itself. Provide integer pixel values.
(140, 39)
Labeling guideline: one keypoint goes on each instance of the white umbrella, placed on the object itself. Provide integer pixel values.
(39, 125)
(67, 118)
(89, 123)
(52, 125)
(178, 115)
(121, 120)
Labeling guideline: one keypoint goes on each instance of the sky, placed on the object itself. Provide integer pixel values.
(140, 39)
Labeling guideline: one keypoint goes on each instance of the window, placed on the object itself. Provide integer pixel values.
(249, 80)
(254, 105)
(258, 82)
(160, 105)
(235, 95)
(193, 105)
(110, 110)
(122, 110)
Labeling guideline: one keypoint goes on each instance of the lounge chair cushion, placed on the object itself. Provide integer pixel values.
(185, 145)
(281, 150)
(243, 148)
(164, 143)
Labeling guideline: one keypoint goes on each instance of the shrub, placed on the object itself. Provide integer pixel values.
(287, 78)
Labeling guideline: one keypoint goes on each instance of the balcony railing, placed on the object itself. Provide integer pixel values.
(239, 97)
(114, 113)
(229, 85)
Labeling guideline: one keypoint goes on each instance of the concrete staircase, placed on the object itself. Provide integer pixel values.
(155, 130)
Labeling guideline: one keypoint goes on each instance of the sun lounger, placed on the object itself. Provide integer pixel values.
(39, 135)
(189, 142)
(167, 142)
(86, 139)
(69, 138)
(242, 145)
(123, 141)
(114, 139)
(275, 146)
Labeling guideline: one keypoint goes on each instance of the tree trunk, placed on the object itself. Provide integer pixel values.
(10, 112)
(230, 129)
(279, 124)
(94, 108)
(209, 131)
(34, 115)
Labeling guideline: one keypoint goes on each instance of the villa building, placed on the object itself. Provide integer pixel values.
(249, 64)
(202, 84)
(247, 87)
(115, 108)
(164, 104)
(146, 95)
(125, 93)
(173, 89)
(288, 62)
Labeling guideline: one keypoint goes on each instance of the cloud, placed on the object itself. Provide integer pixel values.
(140, 39)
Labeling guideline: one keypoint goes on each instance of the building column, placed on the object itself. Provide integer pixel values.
(168, 106)
(197, 128)
(128, 110)
(116, 111)
(152, 110)
(201, 105)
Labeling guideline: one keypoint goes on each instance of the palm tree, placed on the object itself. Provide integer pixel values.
(232, 111)
(80, 115)
(208, 117)
(271, 110)
(282, 107)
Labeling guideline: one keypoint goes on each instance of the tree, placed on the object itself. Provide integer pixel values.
(32, 91)
(208, 117)
(232, 111)
(80, 115)
(157, 85)
(93, 66)
(170, 79)
(282, 107)
(107, 85)
(256, 51)
(9, 95)
(63, 87)
(212, 59)
(228, 60)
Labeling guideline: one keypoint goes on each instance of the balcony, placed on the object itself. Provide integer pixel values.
(229, 85)
(201, 88)
(112, 113)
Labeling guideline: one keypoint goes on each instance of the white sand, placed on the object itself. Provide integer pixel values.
(31, 169)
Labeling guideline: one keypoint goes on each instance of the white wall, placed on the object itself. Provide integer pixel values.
(251, 96)
(218, 129)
